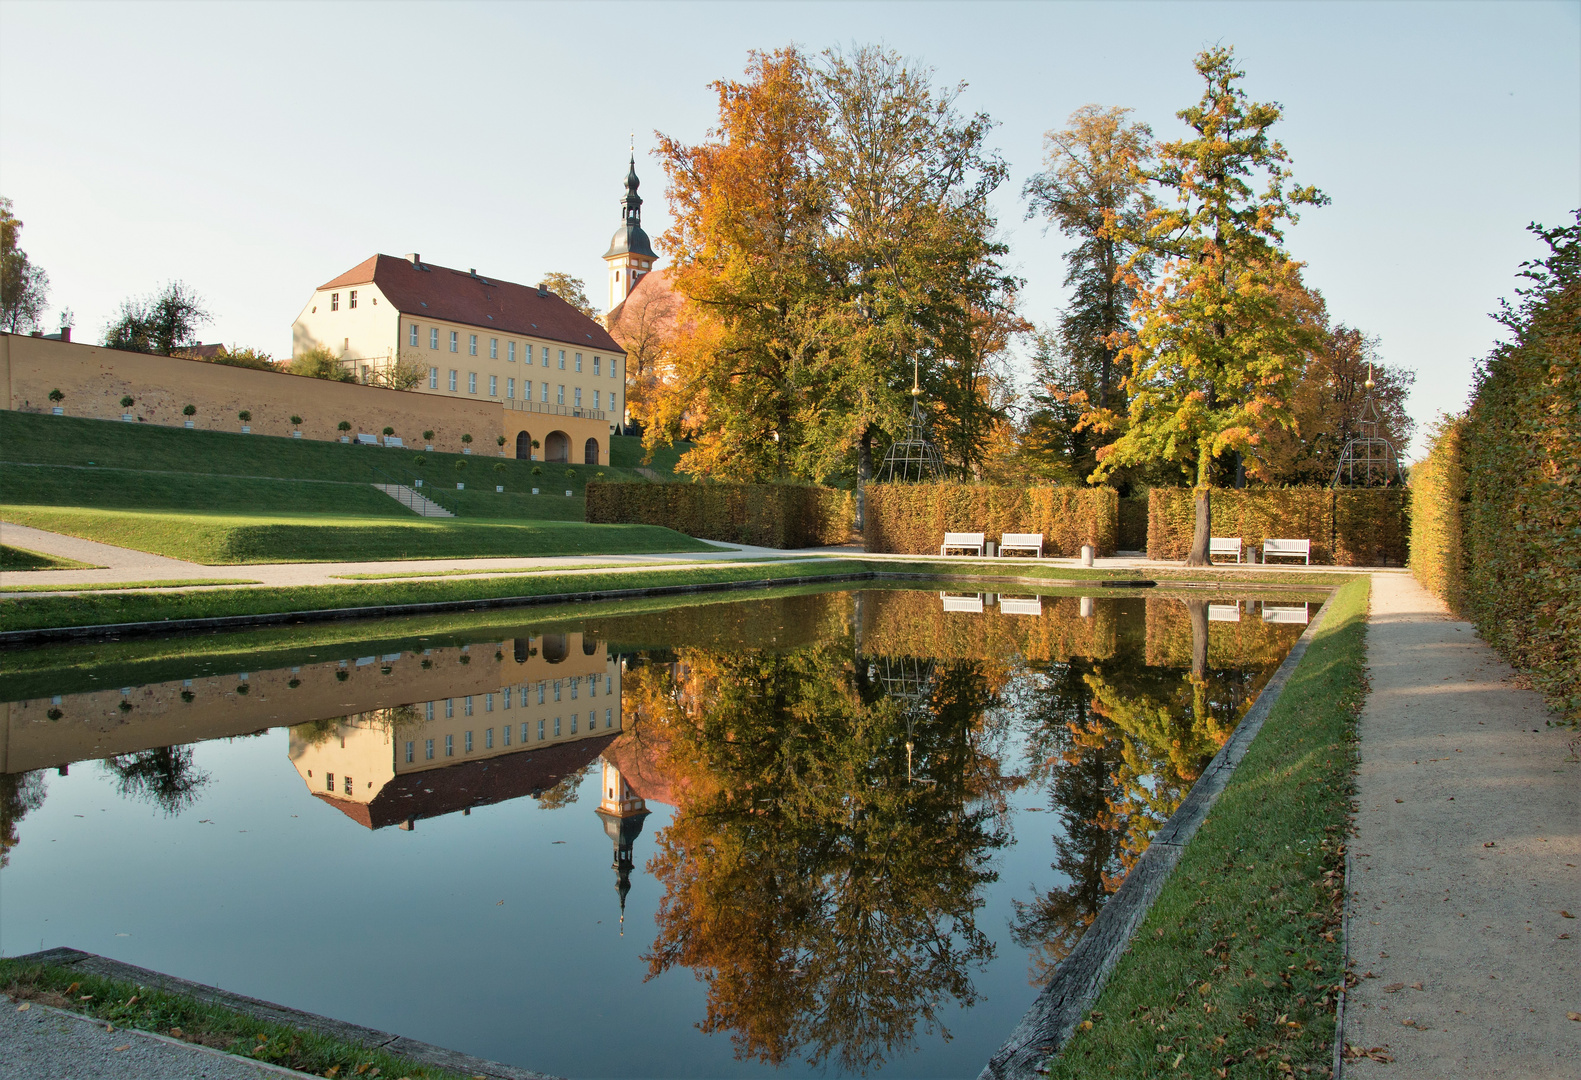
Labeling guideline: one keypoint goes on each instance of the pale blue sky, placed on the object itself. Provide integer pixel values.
(255, 151)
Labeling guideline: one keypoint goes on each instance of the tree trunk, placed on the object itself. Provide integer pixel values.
(1199, 636)
(1204, 530)
(864, 473)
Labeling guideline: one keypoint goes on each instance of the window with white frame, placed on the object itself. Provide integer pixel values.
(562, 359)
(510, 352)
(546, 356)
(433, 378)
(455, 341)
(510, 388)
(545, 393)
(412, 341)
(559, 395)
(334, 301)
(595, 399)
(468, 742)
(576, 391)
(450, 746)
(428, 750)
(595, 365)
(472, 382)
(494, 386)
(433, 337)
(494, 348)
(579, 361)
(472, 344)
(612, 367)
(452, 380)
(411, 752)
(540, 730)
(353, 298)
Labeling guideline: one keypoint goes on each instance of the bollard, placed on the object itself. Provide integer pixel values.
(1086, 554)
(1086, 607)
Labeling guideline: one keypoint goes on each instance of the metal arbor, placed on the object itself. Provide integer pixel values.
(913, 459)
(1369, 459)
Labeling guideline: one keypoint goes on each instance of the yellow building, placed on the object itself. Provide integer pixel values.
(558, 376)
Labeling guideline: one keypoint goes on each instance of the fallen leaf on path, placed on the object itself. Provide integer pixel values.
(1565, 915)
(24, 1007)
(1392, 987)
(123, 1046)
(1416, 986)
(1573, 1016)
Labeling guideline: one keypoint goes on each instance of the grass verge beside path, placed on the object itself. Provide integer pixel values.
(525, 570)
(1235, 969)
(230, 539)
(127, 1005)
(34, 613)
(113, 585)
(15, 558)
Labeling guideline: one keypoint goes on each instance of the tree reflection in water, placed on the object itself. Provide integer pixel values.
(19, 794)
(1119, 744)
(166, 777)
(828, 902)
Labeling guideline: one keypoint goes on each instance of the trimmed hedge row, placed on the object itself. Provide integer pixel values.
(1499, 497)
(764, 515)
(1357, 527)
(909, 622)
(911, 519)
(1133, 523)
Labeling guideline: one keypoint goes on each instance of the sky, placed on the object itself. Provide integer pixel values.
(254, 151)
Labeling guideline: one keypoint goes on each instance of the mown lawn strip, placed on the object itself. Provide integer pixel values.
(183, 583)
(15, 558)
(1234, 971)
(128, 1005)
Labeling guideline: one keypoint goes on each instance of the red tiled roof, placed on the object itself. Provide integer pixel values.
(438, 292)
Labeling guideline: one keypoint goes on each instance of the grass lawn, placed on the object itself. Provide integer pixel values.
(521, 571)
(1234, 971)
(132, 489)
(625, 452)
(478, 501)
(99, 609)
(15, 558)
(128, 1005)
(108, 586)
(226, 539)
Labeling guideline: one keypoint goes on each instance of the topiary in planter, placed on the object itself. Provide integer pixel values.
(296, 421)
(389, 431)
(245, 417)
(344, 425)
(190, 410)
(537, 470)
(428, 436)
(56, 395)
(467, 439)
(126, 402)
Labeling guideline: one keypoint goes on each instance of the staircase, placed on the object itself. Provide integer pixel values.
(414, 502)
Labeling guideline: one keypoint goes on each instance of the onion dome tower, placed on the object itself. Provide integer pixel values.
(630, 255)
(622, 811)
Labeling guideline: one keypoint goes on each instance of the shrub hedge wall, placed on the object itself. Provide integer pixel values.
(1500, 492)
(911, 519)
(1133, 523)
(1360, 527)
(914, 623)
(765, 515)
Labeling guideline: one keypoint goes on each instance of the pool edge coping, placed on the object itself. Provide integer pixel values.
(416, 1051)
(1078, 980)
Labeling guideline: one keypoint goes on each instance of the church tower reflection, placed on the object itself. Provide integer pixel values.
(622, 811)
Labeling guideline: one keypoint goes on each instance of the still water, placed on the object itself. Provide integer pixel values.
(842, 832)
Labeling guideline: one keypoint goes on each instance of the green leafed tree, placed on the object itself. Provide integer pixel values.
(1220, 338)
(24, 288)
(573, 290)
(160, 324)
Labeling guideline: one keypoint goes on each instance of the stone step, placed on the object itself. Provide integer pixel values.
(409, 498)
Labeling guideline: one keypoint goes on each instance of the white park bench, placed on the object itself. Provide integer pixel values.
(367, 440)
(1224, 545)
(1032, 542)
(1292, 548)
(971, 603)
(1286, 613)
(393, 440)
(962, 541)
(1224, 613)
(1021, 605)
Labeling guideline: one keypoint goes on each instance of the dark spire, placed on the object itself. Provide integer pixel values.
(632, 203)
(629, 238)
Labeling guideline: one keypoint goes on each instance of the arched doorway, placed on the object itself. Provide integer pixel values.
(590, 452)
(556, 647)
(523, 445)
(557, 448)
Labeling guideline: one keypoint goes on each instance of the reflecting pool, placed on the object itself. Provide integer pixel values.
(832, 831)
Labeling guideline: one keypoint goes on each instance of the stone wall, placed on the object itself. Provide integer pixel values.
(94, 380)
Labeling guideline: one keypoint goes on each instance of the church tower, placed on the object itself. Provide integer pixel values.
(622, 811)
(630, 255)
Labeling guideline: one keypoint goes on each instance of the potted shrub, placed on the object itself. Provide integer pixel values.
(499, 467)
(246, 418)
(189, 411)
(343, 427)
(126, 403)
(428, 437)
(499, 441)
(388, 433)
(57, 397)
(296, 423)
(466, 447)
(537, 470)
(418, 461)
(460, 469)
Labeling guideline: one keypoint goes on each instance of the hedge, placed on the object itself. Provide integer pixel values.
(911, 519)
(1133, 523)
(765, 515)
(914, 623)
(1355, 527)
(1500, 491)
(1249, 642)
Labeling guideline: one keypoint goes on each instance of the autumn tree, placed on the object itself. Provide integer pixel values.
(645, 324)
(1216, 352)
(160, 324)
(24, 288)
(573, 290)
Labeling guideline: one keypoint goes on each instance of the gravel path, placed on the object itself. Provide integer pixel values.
(41, 1043)
(1466, 853)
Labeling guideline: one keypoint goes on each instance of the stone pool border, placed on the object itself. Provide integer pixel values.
(102, 631)
(418, 1053)
(1080, 977)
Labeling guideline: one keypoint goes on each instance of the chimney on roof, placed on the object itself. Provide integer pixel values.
(472, 270)
(415, 259)
(65, 333)
(542, 292)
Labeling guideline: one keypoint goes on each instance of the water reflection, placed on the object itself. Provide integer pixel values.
(841, 777)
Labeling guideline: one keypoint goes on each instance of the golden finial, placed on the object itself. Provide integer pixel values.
(1369, 384)
(916, 381)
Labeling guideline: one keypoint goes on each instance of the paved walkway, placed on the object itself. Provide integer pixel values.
(127, 565)
(1466, 853)
(41, 1043)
